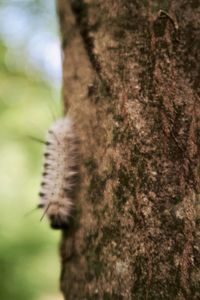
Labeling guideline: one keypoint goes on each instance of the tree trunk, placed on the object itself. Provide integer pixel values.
(131, 82)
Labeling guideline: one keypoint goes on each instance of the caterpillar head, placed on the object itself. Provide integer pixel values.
(57, 215)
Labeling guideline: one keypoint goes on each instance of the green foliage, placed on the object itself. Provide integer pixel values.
(28, 248)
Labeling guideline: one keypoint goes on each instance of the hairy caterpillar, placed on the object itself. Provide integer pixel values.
(60, 175)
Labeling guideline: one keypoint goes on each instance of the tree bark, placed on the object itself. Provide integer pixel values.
(131, 82)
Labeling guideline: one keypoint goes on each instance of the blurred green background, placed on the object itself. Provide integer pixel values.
(30, 77)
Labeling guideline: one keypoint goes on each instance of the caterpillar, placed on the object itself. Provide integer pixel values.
(60, 178)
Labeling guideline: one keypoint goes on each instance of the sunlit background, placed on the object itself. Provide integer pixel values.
(30, 79)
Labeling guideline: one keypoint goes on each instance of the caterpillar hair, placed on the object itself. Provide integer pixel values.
(61, 173)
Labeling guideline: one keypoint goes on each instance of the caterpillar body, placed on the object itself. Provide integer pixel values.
(61, 172)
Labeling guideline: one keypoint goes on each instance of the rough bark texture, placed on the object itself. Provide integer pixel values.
(131, 81)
